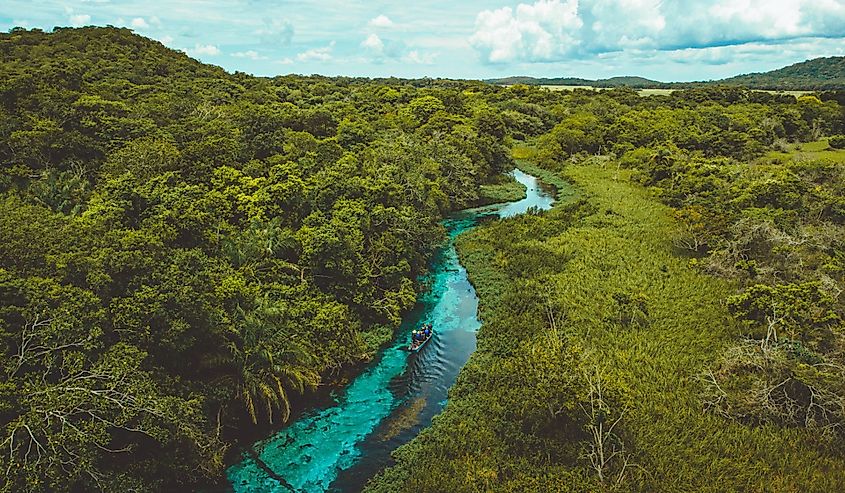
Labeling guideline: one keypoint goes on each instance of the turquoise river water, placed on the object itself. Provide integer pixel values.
(339, 446)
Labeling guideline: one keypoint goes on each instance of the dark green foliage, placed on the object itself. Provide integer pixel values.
(186, 252)
(803, 312)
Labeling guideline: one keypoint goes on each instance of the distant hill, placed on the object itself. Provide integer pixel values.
(630, 81)
(817, 74)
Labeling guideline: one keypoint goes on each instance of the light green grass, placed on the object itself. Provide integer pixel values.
(641, 92)
(679, 446)
(819, 150)
(503, 188)
(655, 92)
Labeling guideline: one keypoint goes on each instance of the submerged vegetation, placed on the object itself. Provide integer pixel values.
(187, 253)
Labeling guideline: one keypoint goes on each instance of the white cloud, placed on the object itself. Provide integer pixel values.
(381, 50)
(541, 31)
(317, 54)
(199, 49)
(748, 53)
(414, 56)
(251, 54)
(613, 24)
(276, 32)
(79, 20)
(285, 61)
(166, 39)
(139, 23)
(554, 30)
(374, 44)
(380, 21)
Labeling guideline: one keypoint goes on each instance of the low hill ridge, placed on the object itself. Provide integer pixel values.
(826, 73)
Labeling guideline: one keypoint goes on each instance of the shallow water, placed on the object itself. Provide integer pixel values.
(339, 447)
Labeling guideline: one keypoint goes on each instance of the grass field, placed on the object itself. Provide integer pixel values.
(819, 150)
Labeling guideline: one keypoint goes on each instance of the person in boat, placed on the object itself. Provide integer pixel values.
(427, 331)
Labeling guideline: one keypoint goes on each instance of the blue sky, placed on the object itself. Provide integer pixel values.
(667, 40)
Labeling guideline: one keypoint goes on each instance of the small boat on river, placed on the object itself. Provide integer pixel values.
(427, 333)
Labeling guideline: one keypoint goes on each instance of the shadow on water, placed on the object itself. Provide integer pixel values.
(340, 447)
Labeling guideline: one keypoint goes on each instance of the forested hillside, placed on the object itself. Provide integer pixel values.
(818, 74)
(185, 251)
(675, 323)
(815, 74)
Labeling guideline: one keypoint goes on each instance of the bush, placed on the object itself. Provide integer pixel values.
(837, 141)
(784, 384)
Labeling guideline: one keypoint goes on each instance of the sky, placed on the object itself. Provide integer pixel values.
(668, 40)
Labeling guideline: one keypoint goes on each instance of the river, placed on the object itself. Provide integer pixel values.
(338, 447)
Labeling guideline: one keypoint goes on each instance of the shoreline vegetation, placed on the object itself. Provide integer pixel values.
(188, 256)
(502, 188)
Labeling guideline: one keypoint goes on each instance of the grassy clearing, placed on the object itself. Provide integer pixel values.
(523, 152)
(641, 92)
(819, 150)
(610, 239)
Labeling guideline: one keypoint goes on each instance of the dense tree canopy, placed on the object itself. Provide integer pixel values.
(186, 251)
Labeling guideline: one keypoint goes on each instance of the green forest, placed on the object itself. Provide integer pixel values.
(187, 255)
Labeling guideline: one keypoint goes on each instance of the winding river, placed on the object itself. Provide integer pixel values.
(340, 446)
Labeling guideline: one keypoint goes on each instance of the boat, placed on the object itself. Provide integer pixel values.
(414, 347)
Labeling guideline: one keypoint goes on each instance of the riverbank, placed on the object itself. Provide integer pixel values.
(591, 318)
(341, 445)
(501, 188)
